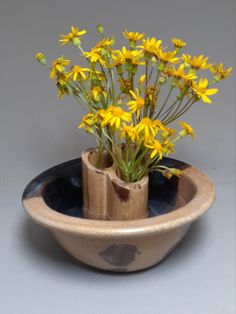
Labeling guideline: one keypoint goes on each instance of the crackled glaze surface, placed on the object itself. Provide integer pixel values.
(54, 199)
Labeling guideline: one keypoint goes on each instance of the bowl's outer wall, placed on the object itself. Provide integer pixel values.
(122, 255)
(116, 246)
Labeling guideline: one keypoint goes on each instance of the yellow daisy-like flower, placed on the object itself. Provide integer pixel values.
(147, 127)
(88, 119)
(95, 55)
(101, 115)
(187, 130)
(196, 62)
(131, 56)
(201, 90)
(168, 147)
(105, 42)
(137, 104)
(220, 72)
(97, 91)
(115, 115)
(118, 58)
(95, 74)
(178, 43)
(58, 66)
(128, 132)
(73, 36)
(151, 45)
(78, 73)
(133, 36)
(167, 132)
(180, 73)
(88, 122)
(167, 56)
(156, 148)
(62, 88)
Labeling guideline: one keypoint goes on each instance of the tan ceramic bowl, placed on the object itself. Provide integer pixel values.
(122, 246)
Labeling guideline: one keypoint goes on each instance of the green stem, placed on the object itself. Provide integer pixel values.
(112, 85)
(181, 112)
(166, 113)
(163, 106)
(157, 78)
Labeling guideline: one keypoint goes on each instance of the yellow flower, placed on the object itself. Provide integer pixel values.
(62, 88)
(195, 62)
(105, 42)
(97, 75)
(133, 36)
(73, 36)
(137, 104)
(167, 56)
(219, 72)
(172, 171)
(89, 121)
(78, 72)
(178, 43)
(156, 148)
(128, 132)
(167, 132)
(58, 66)
(180, 73)
(187, 130)
(123, 56)
(97, 91)
(151, 45)
(201, 90)
(147, 127)
(114, 116)
(131, 54)
(142, 79)
(118, 58)
(95, 55)
(159, 125)
(168, 147)
(101, 115)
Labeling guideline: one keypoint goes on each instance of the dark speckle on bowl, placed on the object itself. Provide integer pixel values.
(119, 255)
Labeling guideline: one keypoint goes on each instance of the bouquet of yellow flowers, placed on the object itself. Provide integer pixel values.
(132, 95)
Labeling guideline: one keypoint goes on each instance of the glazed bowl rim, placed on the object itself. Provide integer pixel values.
(204, 197)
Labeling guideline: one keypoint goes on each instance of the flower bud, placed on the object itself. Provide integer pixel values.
(76, 41)
(119, 69)
(132, 44)
(41, 58)
(113, 40)
(154, 60)
(100, 29)
(161, 67)
(179, 96)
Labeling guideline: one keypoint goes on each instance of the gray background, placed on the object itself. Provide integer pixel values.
(38, 131)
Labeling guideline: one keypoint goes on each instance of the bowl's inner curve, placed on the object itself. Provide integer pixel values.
(61, 189)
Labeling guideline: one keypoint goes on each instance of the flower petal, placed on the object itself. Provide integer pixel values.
(211, 91)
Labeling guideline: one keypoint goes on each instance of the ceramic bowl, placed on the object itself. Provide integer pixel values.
(54, 200)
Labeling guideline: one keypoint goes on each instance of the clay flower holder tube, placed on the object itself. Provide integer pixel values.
(107, 197)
